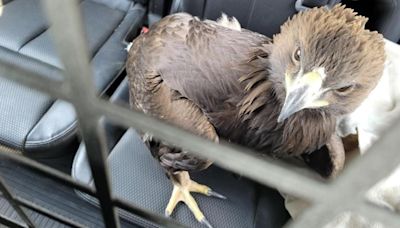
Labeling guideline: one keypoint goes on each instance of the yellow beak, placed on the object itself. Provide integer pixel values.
(303, 92)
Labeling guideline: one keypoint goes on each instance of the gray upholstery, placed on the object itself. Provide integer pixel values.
(20, 22)
(16, 120)
(98, 29)
(81, 170)
(32, 122)
(137, 177)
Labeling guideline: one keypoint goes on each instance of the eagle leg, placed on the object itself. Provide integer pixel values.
(183, 186)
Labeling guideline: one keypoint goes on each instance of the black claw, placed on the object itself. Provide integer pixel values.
(215, 194)
(205, 222)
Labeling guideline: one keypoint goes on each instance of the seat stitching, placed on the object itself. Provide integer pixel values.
(108, 37)
(38, 120)
(10, 143)
(123, 18)
(35, 35)
(70, 128)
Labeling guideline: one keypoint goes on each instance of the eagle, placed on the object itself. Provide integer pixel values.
(281, 97)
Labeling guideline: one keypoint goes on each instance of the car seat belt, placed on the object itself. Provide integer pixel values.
(175, 6)
(199, 7)
(302, 5)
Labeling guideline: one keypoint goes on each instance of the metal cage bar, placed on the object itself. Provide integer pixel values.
(49, 172)
(64, 179)
(168, 223)
(10, 223)
(48, 213)
(14, 203)
(78, 89)
(352, 185)
(73, 53)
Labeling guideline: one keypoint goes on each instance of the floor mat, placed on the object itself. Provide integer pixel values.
(49, 194)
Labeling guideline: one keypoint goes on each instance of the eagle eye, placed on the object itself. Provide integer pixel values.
(297, 55)
(345, 89)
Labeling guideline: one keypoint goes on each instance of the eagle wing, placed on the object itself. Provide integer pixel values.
(182, 68)
(201, 61)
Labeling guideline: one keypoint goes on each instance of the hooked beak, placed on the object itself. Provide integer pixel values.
(303, 92)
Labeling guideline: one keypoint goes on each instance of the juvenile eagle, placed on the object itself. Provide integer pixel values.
(279, 96)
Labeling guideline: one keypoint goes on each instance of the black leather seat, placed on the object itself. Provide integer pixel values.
(35, 123)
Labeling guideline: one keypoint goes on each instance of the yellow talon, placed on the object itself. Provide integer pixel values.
(183, 185)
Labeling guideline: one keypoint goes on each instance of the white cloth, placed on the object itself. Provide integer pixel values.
(382, 105)
(376, 114)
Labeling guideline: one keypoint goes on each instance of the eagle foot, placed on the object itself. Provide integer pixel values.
(183, 186)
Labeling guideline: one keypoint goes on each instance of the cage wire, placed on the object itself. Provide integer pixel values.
(328, 199)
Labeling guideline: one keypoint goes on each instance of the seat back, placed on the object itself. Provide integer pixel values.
(266, 16)
(384, 16)
(263, 16)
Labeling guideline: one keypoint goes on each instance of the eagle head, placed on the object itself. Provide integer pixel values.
(325, 59)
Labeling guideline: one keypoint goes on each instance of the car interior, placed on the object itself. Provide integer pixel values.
(45, 129)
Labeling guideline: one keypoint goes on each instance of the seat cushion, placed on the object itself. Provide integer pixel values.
(30, 121)
(15, 105)
(137, 177)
